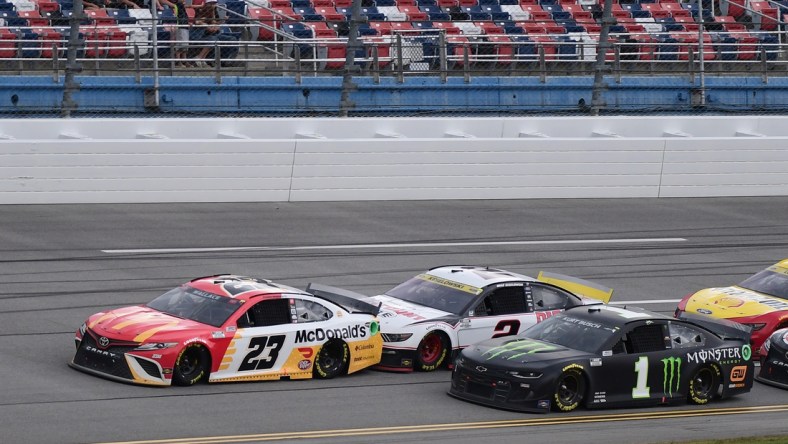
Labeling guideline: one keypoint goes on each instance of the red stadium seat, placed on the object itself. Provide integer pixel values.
(99, 17)
(383, 28)
(116, 39)
(449, 27)
(321, 30)
(413, 13)
(50, 38)
(34, 18)
(95, 42)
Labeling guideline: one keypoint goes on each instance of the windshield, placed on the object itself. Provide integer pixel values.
(197, 305)
(772, 281)
(435, 292)
(571, 332)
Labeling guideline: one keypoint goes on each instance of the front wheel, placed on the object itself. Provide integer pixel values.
(431, 352)
(331, 360)
(703, 385)
(191, 365)
(569, 390)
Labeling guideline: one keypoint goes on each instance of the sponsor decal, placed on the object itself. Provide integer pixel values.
(607, 353)
(542, 315)
(406, 362)
(543, 404)
(671, 375)
(304, 364)
(581, 322)
(595, 362)
(518, 348)
(729, 355)
(737, 298)
(734, 386)
(571, 366)
(320, 334)
(481, 368)
(404, 312)
(451, 284)
(156, 356)
(306, 352)
(386, 314)
(103, 342)
(599, 397)
(704, 311)
(231, 329)
(217, 334)
(738, 373)
(510, 284)
(365, 347)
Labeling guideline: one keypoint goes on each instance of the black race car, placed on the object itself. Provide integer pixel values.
(603, 356)
(774, 360)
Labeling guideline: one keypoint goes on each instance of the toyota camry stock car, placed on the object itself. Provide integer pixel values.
(774, 360)
(760, 301)
(435, 314)
(231, 328)
(603, 356)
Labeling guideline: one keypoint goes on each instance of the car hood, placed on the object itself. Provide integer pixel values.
(733, 302)
(515, 351)
(396, 313)
(139, 324)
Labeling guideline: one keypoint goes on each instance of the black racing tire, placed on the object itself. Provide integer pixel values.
(431, 352)
(703, 385)
(570, 389)
(191, 366)
(332, 360)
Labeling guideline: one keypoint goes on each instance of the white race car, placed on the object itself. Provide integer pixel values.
(438, 313)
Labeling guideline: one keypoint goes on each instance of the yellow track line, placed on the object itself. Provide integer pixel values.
(467, 426)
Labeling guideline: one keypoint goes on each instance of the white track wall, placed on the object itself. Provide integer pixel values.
(312, 159)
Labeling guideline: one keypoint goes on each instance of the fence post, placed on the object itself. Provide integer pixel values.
(542, 65)
(400, 68)
(466, 64)
(442, 62)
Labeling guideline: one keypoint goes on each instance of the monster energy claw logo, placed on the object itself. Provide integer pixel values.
(671, 368)
(518, 349)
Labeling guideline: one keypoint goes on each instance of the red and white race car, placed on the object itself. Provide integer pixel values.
(434, 315)
(231, 328)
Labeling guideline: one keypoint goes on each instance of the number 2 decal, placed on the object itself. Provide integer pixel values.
(641, 390)
(265, 350)
(507, 328)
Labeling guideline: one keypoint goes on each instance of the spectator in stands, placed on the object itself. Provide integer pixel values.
(181, 31)
(208, 21)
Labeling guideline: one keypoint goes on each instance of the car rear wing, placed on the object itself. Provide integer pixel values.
(580, 287)
(349, 300)
(723, 327)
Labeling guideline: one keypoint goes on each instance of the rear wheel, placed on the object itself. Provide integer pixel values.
(703, 385)
(332, 360)
(431, 352)
(191, 366)
(569, 390)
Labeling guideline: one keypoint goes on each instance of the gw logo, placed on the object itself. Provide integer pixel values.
(671, 369)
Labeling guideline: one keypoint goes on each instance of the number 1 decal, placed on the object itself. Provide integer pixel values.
(641, 390)
(507, 328)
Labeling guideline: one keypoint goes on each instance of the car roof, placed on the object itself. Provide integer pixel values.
(236, 286)
(476, 276)
(782, 264)
(613, 315)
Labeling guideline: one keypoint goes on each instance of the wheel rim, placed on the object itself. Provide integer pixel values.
(702, 383)
(328, 361)
(189, 363)
(568, 390)
(431, 349)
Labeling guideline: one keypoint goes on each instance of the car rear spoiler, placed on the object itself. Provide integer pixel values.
(723, 327)
(349, 300)
(577, 286)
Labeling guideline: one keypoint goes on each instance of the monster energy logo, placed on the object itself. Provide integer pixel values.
(518, 349)
(671, 367)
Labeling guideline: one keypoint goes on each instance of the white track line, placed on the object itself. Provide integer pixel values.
(646, 301)
(405, 245)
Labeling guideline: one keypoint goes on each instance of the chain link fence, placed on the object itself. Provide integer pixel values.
(393, 57)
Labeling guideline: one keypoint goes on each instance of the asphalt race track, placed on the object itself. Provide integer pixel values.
(62, 263)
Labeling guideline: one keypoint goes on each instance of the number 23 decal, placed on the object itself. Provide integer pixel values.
(263, 354)
(507, 328)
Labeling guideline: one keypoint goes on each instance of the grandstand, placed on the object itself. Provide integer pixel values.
(410, 36)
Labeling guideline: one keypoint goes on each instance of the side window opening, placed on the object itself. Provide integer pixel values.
(646, 338)
(547, 298)
(507, 300)
(682, 336)
(266, 313)
(309, 311)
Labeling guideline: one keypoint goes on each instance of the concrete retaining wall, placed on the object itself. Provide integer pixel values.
(312, 159)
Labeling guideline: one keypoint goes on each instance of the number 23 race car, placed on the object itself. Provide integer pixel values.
(603, 356)
(230, 328)
(430, 317)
